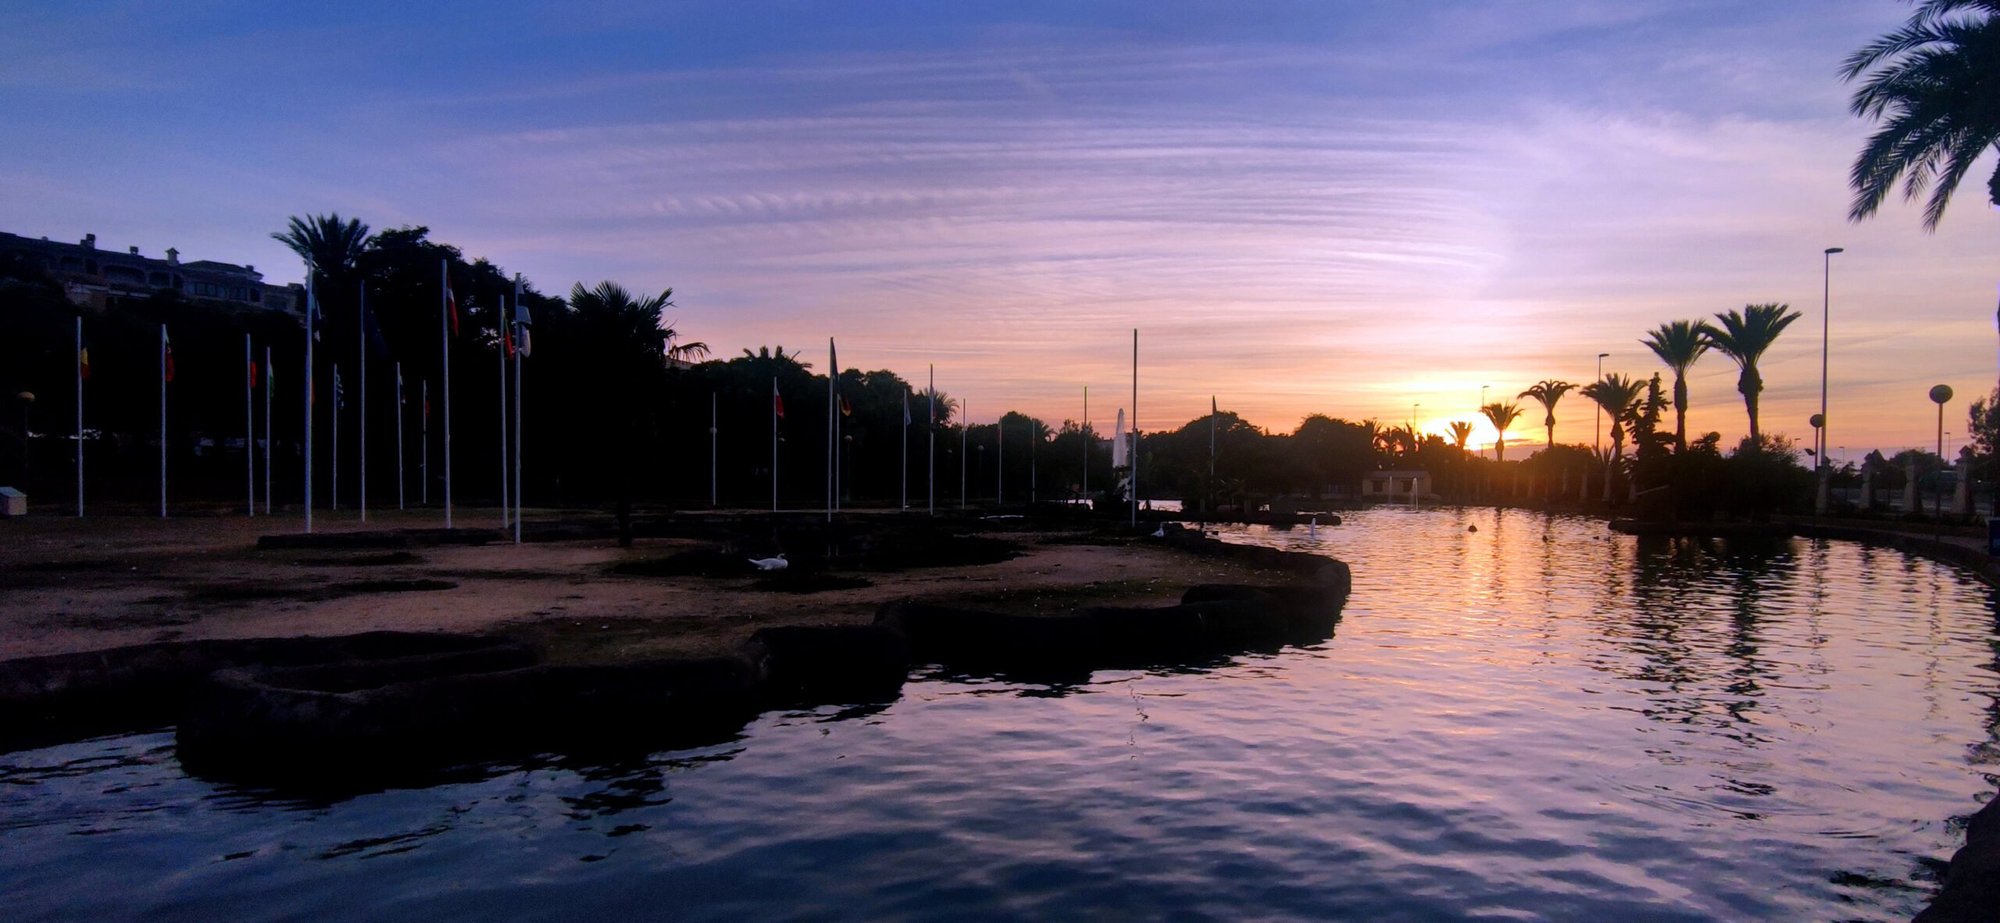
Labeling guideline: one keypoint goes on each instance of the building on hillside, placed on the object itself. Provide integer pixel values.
(98, 277)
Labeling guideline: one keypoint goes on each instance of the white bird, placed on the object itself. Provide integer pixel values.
(1160, 532)
(1312, 528)
(777, 563)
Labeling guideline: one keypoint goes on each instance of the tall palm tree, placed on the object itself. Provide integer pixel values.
(1461, 430)
(1501, 416)
(1619, 396)
(1548, 392)
(330, 246)
(1744, 337)
(1931, 84)
(1679, 344)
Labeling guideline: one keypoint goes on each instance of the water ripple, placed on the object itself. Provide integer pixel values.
(1537, 720)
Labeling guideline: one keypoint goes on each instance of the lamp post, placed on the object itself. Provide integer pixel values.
(1939, 395)
(1826, 320)
(1597, 442)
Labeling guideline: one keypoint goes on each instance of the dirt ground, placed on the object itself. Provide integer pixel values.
(69, 585)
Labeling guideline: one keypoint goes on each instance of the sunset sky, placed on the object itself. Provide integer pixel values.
(1338, 207)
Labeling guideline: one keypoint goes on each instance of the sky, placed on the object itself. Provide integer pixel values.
(1369, 208)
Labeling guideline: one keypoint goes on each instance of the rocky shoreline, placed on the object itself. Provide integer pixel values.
(373, 707)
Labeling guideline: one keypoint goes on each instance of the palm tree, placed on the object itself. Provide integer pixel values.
(1678, 345)
(767, 352)
(1548, 392)
(1619, 396)
(1931, 84)
(1501, 416)
(1744, 337)
(681, 352)
(331, 247)
(612, 312)
(1461, 430)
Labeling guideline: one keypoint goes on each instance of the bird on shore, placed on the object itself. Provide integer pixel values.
(777, 563)
(1312, 528)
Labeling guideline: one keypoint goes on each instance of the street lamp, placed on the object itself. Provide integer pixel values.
(1597, 444)
(1826, 321)
(1939, 395)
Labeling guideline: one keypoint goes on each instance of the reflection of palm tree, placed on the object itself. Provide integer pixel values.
(1501, 416)
(1932, 87)
(1744, 337)
(1619, 396)
(1548, 392)
(1461, 430)
(329, 245)
(1678, 345)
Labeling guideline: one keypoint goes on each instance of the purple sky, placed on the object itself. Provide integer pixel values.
(1347, 208)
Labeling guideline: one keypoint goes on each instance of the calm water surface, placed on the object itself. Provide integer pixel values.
(1539, 719)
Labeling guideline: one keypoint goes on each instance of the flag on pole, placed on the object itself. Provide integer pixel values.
(167, 355)
(83, 363)
(906, 406)
(525, 323)
(846, 409)
(451, 308)
(338, 393)
(777, 400)
(253, 373)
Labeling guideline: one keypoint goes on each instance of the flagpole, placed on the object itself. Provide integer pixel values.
(399, 436)
(964, 428)
(506, 346)
(1135, 426)
(930, 434)
(444, 337)
(906, 447)
(79, 416)
(163, 421)
(774, 442)
(520, 353)
(832, 420)
(361, 340)
(270, 436)
(249, 424)
(1086, 443)
(333, 467)
(999, 461)
(714, 418)
(312, 308)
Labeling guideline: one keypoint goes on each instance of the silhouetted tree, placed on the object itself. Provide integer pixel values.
(1679, 344)
(1619, 396)
(1744, 338)
(1548, 392)
(1931, 83)
(1501, 416)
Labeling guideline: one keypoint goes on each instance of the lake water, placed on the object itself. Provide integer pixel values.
(1539, 719)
